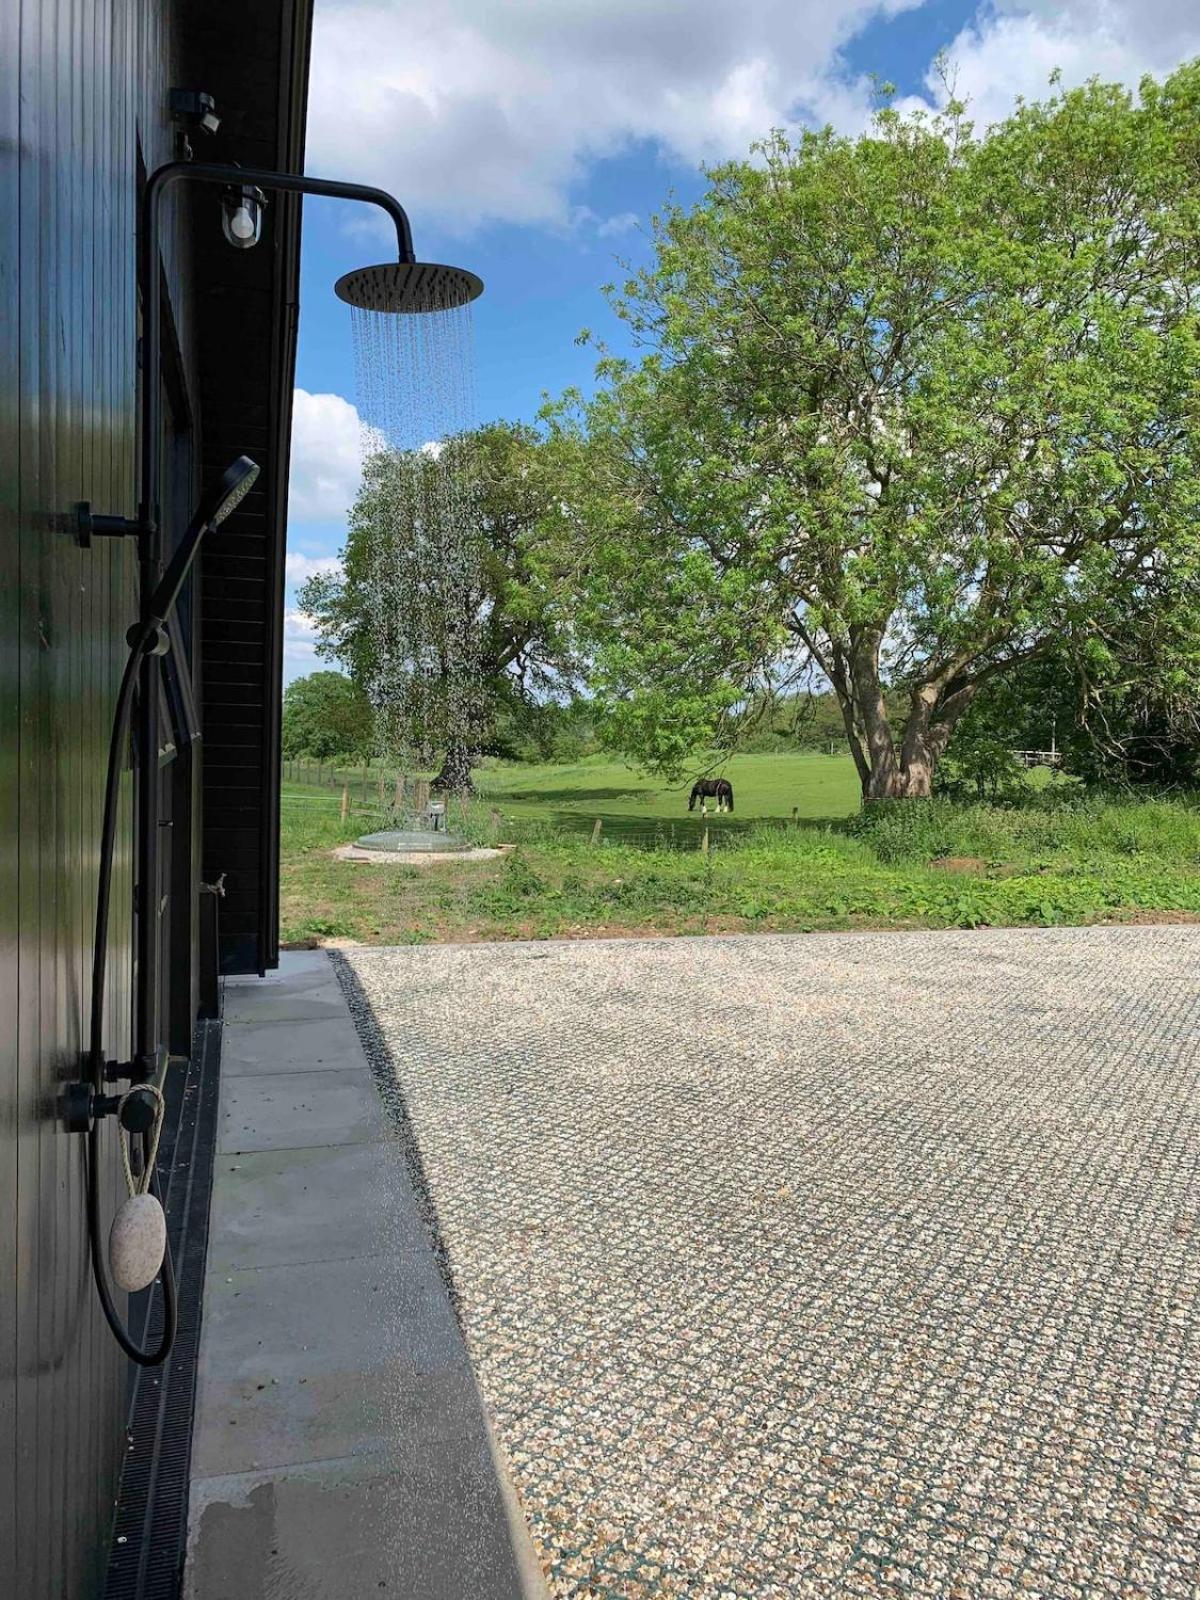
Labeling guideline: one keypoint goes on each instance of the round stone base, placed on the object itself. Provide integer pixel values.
(411, 840)
(419, 858)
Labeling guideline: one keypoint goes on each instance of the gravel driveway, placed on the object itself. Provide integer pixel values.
(854, 1265)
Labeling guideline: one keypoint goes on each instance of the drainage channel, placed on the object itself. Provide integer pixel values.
(149, 1531)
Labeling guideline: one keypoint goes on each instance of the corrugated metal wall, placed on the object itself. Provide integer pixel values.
(77, 80)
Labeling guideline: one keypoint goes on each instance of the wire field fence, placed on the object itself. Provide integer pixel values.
(373, 789)
(381, 795)
(374, 795)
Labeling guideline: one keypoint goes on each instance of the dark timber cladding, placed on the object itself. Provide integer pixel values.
(83, 109)
(246, 333)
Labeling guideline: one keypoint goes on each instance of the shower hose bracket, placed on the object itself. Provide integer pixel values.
(91, 525)
(136, 1110)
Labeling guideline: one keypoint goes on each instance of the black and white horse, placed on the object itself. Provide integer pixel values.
(705, 789)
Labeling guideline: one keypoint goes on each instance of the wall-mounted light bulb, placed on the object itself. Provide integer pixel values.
(241, 216)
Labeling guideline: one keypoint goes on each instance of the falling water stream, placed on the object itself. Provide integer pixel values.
(420, 566)
(416, 398)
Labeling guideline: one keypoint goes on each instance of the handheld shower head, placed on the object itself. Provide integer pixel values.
(234, 484)
(408, 286)
(222, 499)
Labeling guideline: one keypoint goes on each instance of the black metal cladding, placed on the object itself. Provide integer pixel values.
(83, 95)
(77, 82)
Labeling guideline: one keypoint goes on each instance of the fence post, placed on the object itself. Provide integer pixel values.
(398, 795)
(597, 830)
(704, 842)
(345, 801)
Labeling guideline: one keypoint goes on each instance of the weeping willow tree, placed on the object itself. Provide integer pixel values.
(437, 611)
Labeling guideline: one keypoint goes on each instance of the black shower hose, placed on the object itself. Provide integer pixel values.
(142, 642)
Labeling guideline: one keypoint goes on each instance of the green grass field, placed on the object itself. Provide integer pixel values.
(1067, 857)
(635, 809)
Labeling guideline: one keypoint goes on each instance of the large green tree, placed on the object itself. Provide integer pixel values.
(1122, 704)
(438, 611)
(910, 409)
(326, 715)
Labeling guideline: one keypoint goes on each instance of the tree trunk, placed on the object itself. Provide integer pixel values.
(921, 746)
(455, 776)
(883, 777)
(933, 714)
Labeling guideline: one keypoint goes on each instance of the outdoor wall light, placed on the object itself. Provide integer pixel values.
(242, 215)
(197, 109)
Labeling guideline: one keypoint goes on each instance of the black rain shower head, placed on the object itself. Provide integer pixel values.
(408, 286)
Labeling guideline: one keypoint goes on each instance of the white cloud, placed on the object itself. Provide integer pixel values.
(326, 457)
(299, 644)
(613, 227)
(1011, 49)
(299, 628)
(472, 110)
(299, 567)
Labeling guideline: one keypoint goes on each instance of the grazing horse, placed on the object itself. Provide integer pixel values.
(718, 789)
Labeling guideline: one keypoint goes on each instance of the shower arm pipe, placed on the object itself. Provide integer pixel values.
(223, 173)
(149, 1058)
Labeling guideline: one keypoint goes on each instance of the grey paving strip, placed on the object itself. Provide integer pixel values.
(857, 1265)
(340, 1447)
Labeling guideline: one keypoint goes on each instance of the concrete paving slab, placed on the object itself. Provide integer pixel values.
(271, 1207)
(303, 1001)
(439, 1529)
(341, 1447)
(303, 988)
(291, 1110)
(322, 1044)
(304, 1362)
(295, 967)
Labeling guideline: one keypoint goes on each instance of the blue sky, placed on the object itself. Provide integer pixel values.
(531, 140)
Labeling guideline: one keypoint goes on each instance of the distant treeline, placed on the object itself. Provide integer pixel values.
(793, 722)
(1135, 739)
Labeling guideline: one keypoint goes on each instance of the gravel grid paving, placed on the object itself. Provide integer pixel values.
(851, 1265)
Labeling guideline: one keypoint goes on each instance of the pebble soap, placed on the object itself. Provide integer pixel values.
(137, 1242)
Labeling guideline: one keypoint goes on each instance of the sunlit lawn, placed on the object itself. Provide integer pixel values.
(634, 807)
(932, 866)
